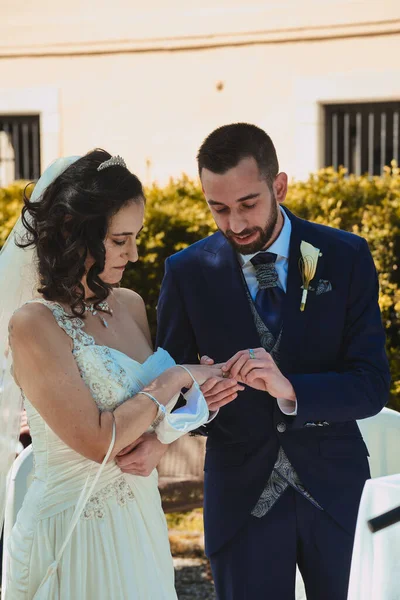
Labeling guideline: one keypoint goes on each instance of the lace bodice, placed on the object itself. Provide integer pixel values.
(112, 377)
(74, 506)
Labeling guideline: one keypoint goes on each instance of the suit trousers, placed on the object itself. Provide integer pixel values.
(259, 563)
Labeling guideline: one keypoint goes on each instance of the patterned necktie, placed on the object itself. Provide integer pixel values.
(269, 298)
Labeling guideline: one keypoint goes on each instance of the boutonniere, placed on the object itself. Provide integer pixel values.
(308, 266)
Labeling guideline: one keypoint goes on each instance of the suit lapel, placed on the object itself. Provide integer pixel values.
(229, 303)
(296, 323)
(227, 294)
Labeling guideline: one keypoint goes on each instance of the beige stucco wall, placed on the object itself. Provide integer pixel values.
(45, 22)
(87, 73)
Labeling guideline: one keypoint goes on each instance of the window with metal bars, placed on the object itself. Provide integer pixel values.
(19, 148)
(362, 137)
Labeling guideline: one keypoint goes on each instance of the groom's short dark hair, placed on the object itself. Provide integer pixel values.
(226, 146)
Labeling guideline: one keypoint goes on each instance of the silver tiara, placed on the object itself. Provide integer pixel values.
(114, 161)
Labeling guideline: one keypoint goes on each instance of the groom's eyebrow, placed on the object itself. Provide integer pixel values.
(243, 199)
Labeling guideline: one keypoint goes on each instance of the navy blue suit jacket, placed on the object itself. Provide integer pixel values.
(333, 353)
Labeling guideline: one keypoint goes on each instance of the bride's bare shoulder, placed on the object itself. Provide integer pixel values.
(129, 298)
(32, 321)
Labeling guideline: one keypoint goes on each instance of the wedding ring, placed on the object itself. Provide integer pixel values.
(251, 352)
(225, 374)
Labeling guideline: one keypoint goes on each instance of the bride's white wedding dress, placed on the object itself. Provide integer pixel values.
(119, 549)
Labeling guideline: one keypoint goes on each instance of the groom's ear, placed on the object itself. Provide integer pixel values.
(280, 186)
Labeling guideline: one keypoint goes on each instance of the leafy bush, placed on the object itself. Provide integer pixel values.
(10, 208)
(177, 216)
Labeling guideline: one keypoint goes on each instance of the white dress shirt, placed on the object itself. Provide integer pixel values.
(280, 247)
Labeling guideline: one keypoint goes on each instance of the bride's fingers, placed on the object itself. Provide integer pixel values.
(209, 384)
(206, 386)
(218, 385)
(221, 403)
(215, 371)
(223, 388)
(216, 398)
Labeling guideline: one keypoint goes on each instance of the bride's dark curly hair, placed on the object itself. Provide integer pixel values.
(70, 223)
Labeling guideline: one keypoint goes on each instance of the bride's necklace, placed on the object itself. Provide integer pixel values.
(102, 306)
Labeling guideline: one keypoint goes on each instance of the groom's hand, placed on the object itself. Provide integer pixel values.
(260, 372)
(142, 456)
(218, 391)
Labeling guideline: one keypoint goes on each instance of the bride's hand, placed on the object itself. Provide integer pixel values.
(203, 373)
(218, 391)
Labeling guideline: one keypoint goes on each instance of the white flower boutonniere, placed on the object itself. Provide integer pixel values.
(308, 266)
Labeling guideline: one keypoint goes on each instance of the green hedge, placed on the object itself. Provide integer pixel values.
(177, 216)
(10, 207)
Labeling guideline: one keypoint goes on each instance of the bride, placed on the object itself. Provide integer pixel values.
(82, 357)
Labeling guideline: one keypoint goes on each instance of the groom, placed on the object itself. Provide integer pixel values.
(285, 463)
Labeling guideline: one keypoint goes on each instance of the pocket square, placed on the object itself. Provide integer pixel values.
(323, 287)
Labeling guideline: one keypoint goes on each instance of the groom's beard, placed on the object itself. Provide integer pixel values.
(265, 234)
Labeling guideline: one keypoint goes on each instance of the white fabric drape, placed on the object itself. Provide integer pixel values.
(375, 568)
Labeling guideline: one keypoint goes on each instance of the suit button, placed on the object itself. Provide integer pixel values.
(281, 427)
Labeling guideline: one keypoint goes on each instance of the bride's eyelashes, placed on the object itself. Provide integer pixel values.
(123, 242)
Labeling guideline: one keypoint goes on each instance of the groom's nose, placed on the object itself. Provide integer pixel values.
(237, 223)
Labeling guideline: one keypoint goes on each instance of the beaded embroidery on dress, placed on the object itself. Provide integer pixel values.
(119, 548)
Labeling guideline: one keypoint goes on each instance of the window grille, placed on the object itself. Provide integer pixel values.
(362, 137)
(19, 148)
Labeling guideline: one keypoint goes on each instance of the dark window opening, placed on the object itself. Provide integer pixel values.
(19, 148)
(362, 137)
